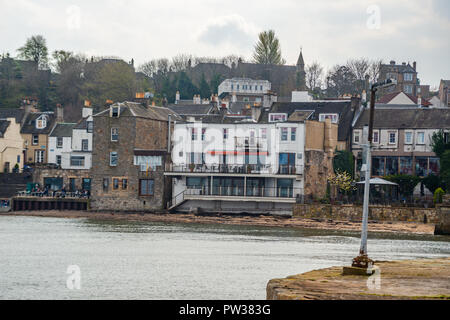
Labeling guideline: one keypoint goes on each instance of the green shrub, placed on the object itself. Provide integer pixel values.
(437, 198)
(406, 183)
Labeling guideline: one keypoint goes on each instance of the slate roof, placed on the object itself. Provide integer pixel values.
(29, 125)
(4, 124)
(191, 109)
(407, 119)
(82, 124)
(16, 113)
(342, 108)
(63, 130)
(134, 109)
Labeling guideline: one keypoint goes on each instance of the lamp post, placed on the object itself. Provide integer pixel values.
(362, 260)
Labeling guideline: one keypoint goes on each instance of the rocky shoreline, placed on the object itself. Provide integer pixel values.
(394, 280)
(253, 220)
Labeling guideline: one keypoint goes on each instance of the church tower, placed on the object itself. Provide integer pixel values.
(301, 74)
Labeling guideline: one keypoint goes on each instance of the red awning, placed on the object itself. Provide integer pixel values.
(240, 153)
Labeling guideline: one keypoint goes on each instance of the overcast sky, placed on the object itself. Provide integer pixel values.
(329, 31)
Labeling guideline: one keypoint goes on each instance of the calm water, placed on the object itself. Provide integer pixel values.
(126, 260)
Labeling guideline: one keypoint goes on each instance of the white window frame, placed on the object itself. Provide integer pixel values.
(357, 134)
(421, 141)
(115, 134)
(111, 164)
(389, 137)
(378, 136)
(333, 116)
(33, 141)
(411, 134)
(59, 145)
(283, 117)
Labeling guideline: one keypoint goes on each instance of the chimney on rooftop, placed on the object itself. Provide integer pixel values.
(419, 100)
(177, 97)
(414, 65)
(392, 62)
(59, 113)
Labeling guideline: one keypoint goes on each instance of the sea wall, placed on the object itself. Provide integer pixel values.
(354, 213)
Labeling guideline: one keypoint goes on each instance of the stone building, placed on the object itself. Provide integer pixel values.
(404, 74)
(444, 93)
(130, 151)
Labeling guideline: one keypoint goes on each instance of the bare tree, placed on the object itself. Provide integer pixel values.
(374, 70)
(314, 74)
(181, 62)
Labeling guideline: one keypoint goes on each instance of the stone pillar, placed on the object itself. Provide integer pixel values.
(443, 211)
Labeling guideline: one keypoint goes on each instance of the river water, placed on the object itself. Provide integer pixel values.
(139, 260)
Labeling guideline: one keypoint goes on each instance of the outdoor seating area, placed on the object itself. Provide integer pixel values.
(38, 191)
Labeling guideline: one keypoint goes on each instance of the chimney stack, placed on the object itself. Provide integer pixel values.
(419, 100)
(414, 65)
(177, 97)
(59, 113)
(392, 62)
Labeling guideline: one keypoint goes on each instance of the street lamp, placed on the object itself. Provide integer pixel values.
(362, 260)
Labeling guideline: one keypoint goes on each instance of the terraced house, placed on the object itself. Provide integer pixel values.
(402, 140)
(130, 150)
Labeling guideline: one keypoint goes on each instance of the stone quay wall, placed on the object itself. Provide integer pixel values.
(354, 213)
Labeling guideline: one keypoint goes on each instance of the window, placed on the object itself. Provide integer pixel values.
(408, 77)
(196, 158)
(408, 137)
(105, 184)
(77, 161)
(203, 134)
(39, 156)
(148, 162)
(334, 117)
(114, 134)
(376, 137)
(225, 134)
(115, 112)
(260, 87)
(263, 133)
(293, 134)
(59, 142)
(356, 136)
(277, 117)
(146, 187)
(113, 158)
(124, 184)
(41, 122)
(90, 126)
(18, 159)
(35, 139)
(115, 183)
(284, 134)
(85, 144)
(232, 87)
(392, 138)
(193, 134)
(406, 166)
(420, 137)
(408, 88)
(237, 87)
(58, 160)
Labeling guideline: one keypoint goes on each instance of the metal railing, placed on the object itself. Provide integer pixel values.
(54, 194)
(237, 169)
(250, 191)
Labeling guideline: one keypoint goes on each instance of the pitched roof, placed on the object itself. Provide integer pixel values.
(135, 109)
(63, 130)
(190, 109)
(411, 118)
(16, 113)
(4, 124)
(390, 96)
(342, 108)
(29, 126)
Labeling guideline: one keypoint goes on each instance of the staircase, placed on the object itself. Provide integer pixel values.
(176, 201)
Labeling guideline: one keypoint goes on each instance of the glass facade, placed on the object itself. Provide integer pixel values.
(391, 166)
(406, 165)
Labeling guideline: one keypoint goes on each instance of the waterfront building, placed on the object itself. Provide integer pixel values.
(130, 150)
(11, 141)
(402, 140)
(235, 163)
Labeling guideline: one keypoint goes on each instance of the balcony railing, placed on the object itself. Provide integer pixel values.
(250, 191)
(237, 169)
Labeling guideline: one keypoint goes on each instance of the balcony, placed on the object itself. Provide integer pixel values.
(250, 143)
(239, 169)
(239, 194)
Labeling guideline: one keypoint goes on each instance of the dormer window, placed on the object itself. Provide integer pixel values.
(114, 111)
(41, 122)
(277, 117)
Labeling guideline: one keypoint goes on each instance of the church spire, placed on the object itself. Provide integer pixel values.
(300, 61)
